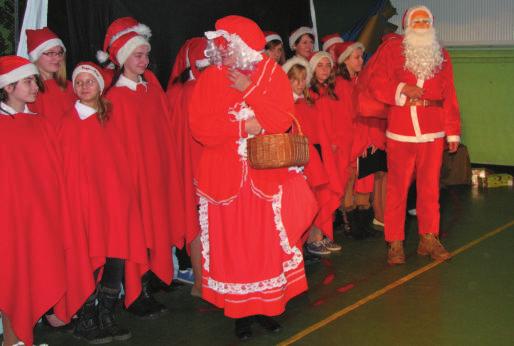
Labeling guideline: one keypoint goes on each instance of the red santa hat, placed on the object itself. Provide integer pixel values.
(407, 16)
(40, 40)
(13, 68)
(345, 49)
(195, 57)
(315, 58)
(91, 68)
(122, 37)
(295, 35)
(271, 35)
(329, 40)
(245, 28)
(298, 60)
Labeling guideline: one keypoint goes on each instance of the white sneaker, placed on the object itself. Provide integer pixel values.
(378, 223)
(412, 212)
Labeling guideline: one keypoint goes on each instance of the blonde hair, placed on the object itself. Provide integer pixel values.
(299, 72)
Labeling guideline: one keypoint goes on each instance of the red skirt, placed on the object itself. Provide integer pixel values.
(250, 259)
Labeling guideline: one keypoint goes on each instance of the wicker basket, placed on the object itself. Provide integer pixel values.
(278, 150)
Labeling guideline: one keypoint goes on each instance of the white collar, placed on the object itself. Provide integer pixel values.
(129, 83)
(84, 111)
(296, 97)
(12, 111)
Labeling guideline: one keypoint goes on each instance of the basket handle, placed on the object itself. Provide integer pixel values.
(300, 132)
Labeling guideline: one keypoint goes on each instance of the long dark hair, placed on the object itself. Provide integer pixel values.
(330, 83)
(342, 71)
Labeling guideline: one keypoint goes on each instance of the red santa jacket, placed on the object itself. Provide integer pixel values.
(216, 120)
(415, 124)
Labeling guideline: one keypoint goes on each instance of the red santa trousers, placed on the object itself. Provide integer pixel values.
(251, 262)
(403, 161)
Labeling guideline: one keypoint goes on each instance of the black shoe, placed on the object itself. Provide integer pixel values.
(107, 299)
(365, 219)
(268, 323)
(244, 328)
(145, 306)
(88, 326)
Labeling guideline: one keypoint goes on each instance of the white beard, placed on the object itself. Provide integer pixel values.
(423, 53)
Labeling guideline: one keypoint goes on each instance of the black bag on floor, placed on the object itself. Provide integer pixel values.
(456, 167)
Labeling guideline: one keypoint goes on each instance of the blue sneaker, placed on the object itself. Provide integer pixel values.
(186, 276)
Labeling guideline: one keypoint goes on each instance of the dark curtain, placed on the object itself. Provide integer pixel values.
(82, 24)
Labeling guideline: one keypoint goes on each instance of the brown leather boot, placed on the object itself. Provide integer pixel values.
(429, 244)
(395, 255)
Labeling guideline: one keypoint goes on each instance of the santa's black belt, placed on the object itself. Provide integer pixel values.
(424, 103)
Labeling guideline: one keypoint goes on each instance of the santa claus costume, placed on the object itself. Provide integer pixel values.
(140, 112)
(244, 212)
(415, 79)
(103, 203)
(48, 53)
(187, 149)
(321, 170)
(44, 260)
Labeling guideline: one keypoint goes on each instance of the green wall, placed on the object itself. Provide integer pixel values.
(484, 82)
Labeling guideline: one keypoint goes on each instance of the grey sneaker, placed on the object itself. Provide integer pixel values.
(317, 248)
(331, 245)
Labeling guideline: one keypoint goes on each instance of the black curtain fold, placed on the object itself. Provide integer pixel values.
(82, 24)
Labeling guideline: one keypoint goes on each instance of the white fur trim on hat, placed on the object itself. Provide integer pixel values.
(298, 60)
(17, 74)
(315, 59)
(407, 18)
(299, 33)
(331, 41)
(349, 51)
(92, 71)
(36, 52)
(129, 47)
(139, 29)
(272, 37)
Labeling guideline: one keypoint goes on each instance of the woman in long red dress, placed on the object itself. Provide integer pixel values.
(48, 53)
(44, 264)
(251, 220)
(321, 172)
(140, 112)
(103, 203)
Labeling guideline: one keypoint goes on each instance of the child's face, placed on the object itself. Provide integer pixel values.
(86, 87)
(138, 61)
(24, 91)
(50, 61)
(323, 70)
(298, 84)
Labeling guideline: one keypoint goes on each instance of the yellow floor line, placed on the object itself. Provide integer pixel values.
(389, 287)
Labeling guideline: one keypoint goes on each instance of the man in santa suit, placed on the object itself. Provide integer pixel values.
(415, 80)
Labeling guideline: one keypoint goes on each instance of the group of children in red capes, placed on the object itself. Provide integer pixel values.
(91, 190)
(130, 172)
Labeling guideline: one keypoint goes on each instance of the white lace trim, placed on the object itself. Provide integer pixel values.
(258, 286)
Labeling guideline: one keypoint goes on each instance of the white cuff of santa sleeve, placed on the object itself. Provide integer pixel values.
(453, 139)
(400, 98)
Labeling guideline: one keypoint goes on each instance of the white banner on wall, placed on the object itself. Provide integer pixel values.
(467, 22)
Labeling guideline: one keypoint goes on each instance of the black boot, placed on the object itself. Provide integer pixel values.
(354, 225)
(244, 328)
(107, 299)
(365, 217)
(145, 306)
(88, 325)
(268, 323)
